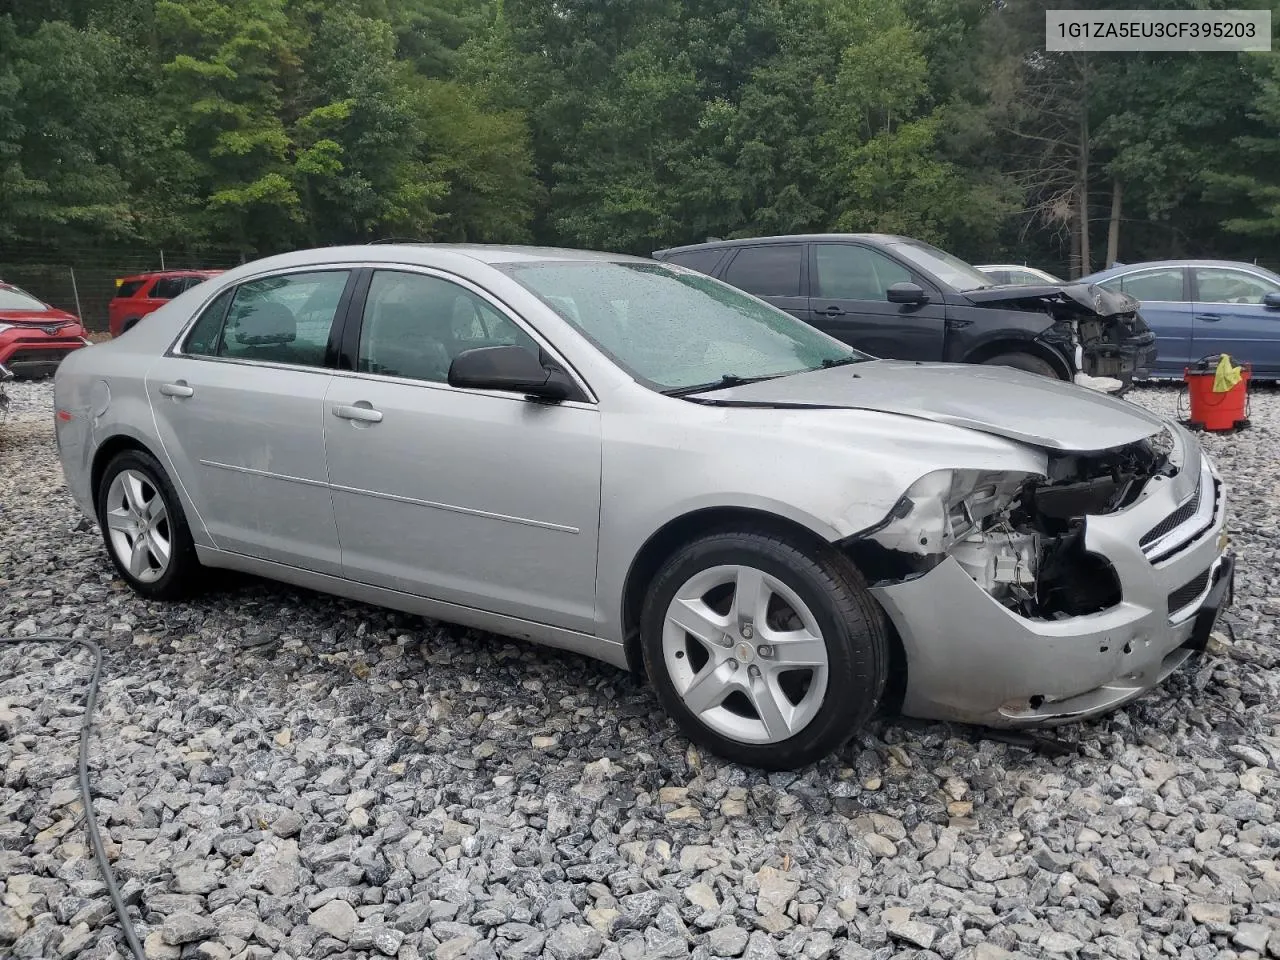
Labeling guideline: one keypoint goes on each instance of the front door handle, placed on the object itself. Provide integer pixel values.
(1209, 317)
(179, 389)
(358, 411)
(830, 312)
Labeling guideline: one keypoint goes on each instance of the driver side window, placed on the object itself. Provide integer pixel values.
(846, 271)
(414, 325)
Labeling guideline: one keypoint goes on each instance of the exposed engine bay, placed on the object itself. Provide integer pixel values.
(1100, 331)
(1019, 536)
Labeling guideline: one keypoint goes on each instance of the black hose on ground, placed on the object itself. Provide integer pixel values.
(86, 796)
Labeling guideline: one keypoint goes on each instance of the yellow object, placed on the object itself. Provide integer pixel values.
(1227, 376)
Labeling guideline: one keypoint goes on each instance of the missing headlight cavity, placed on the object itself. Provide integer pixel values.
(1020, 536)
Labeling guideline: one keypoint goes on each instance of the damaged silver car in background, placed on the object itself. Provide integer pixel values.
(637, 462)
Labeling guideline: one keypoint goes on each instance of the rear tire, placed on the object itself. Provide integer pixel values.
(1023, 361)
(763, 649)
(144, 528)
(129, 325)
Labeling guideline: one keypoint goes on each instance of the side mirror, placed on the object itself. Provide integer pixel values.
(514, 369)
(906, 293)
(1271, 301)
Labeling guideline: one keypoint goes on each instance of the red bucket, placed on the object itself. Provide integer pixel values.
(1216, 411)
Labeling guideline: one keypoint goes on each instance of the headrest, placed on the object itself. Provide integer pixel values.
(266, 322)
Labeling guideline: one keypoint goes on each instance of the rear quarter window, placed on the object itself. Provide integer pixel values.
(704, 261)
(128, 288)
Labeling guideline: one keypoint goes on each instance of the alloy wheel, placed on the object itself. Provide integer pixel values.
(138, 526)
(745, 654)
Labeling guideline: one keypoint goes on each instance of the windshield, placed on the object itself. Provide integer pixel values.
(11, 298)
(672, 328)
(950, 270)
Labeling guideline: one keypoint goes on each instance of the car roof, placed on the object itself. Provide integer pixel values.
(812, 237)
(516, 253)
(431, 254)
(171, 273)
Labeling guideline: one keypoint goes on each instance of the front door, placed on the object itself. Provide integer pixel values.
(479, 498)
(239, 410)
(849, 286)
(1232, 318)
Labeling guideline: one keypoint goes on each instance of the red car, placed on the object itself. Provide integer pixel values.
(138, 295)
(34, 337)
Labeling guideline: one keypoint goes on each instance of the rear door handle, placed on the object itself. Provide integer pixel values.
(179, 389)
(1209, 317)
(358, 411)
(830, 312)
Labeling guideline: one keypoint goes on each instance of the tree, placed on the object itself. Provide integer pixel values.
(61, 117)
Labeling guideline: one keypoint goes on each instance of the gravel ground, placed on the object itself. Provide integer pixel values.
(285, 775)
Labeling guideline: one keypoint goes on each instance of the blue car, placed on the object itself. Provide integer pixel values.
(1199, 308)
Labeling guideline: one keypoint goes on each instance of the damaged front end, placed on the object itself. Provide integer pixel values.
(1101, 331)
(1018, 536)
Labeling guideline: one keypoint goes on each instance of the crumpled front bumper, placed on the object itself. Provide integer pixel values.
(971, 659)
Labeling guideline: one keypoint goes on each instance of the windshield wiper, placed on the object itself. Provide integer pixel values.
(728, 380)
(828, 363)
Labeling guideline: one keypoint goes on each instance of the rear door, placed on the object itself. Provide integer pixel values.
(1231, 317)
(771, 271)
(849, 300)
(1167, 309)
(239, 409)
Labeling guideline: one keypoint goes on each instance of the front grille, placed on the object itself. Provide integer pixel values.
(36, 356)
(1173, 520)
(1186, 593)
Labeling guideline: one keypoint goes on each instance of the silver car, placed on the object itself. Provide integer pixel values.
(639, 463)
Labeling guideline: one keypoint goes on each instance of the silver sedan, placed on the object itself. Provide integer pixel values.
(637, 462)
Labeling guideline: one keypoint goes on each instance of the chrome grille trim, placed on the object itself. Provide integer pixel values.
(1205, 505)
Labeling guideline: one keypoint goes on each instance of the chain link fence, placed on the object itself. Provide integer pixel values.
(82, 280)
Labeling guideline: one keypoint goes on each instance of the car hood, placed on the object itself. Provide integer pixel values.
(37, 318)
(996, 400)
(1085, 297)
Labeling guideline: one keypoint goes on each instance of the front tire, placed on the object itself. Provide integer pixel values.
(765, 650)
(144, 528)
(1023, 361)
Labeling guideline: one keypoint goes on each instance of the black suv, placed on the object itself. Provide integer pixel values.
(906, 300)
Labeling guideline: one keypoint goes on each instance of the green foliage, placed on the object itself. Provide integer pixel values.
(270, 124)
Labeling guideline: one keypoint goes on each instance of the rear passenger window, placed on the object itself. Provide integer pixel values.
(767, 271)
(202, 341)
(704, 261)
(167, 288)
(128, 288)
(1158, 285)
(282, 319)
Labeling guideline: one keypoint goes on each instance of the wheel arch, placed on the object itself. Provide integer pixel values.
(107, 451)
(994, 348)
(677, 532)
